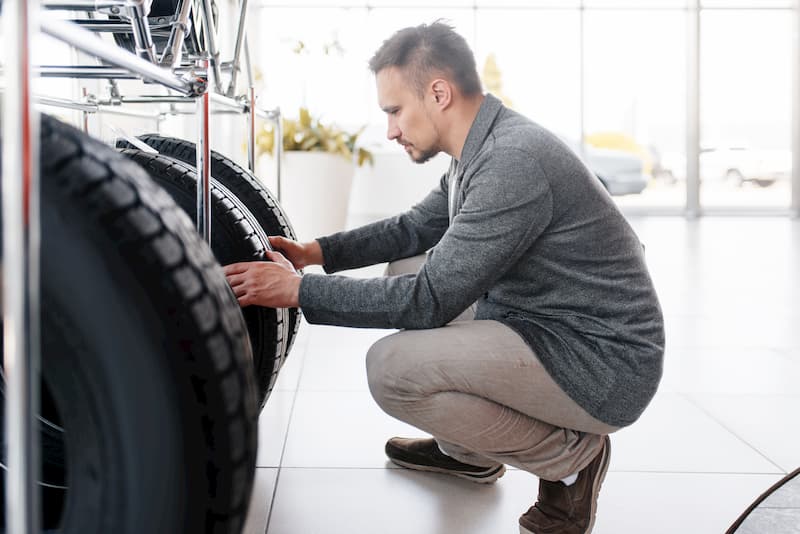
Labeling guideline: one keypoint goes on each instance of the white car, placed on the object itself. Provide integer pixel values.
(739, 165)
(735, 165)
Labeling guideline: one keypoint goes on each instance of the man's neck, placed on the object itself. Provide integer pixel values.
(460, 124)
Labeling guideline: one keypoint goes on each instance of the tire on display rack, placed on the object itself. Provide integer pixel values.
(253, 194)
(148, 401)
(235, 237)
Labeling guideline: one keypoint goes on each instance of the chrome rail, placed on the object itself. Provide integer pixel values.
(211, 40)
(203, 155)
(145, 48)
(237, 51)
(21, 245)
(85, 5)
(173, 52)
(89, 43)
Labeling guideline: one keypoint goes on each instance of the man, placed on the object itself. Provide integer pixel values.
(566, 344)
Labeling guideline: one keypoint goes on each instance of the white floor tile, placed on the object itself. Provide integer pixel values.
(340, 429)
(260, 500)
(749, 325)
(730, 370)
(366, 501)
(273, 424)
(289, 375)
(674, 435)
(672, 503)
(396, 501)
(767, 422)
(339, 365)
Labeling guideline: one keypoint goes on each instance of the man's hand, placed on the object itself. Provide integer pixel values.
(273, 284)
(300, 254)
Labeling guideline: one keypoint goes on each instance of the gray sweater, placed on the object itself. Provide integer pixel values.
(533, 237)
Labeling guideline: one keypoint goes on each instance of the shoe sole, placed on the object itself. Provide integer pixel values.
(487, 478)
(596, 488)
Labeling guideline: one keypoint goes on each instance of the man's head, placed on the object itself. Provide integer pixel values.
(423, 73)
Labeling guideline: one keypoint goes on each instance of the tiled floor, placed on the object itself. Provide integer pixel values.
(722, 428)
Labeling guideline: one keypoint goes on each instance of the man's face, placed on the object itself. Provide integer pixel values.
(410, 120)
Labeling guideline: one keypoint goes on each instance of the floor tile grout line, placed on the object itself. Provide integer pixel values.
(286, 435)
(726, 427)
(626, 471)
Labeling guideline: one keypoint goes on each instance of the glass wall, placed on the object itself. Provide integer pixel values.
(635, 97)
(745, 103)
(608, 76)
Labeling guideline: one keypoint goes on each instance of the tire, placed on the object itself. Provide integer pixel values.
(234, 237)
(145, 358)
(258, 199)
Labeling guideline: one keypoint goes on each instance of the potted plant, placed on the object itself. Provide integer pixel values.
(317, 172)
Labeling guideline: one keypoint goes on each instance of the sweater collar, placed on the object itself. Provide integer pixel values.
(481, 126)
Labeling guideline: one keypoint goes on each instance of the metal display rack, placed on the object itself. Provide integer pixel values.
(197, 80)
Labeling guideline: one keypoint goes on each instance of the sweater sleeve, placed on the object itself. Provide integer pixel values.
(408, 234)
(507, 205)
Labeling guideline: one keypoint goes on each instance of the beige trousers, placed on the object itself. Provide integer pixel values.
(480, 390)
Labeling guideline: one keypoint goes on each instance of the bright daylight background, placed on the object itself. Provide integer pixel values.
(613, 72)
(612, 69)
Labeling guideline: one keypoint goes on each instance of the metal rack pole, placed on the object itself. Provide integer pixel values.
(89, 43)
(211, 41)
(248, 64)
(251, 130)
(21, 242)
(85, 5)
(278, 150)
(237, 51)
(85, 113)
(204, 161)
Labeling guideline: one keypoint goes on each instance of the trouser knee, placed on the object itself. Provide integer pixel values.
(385, 361)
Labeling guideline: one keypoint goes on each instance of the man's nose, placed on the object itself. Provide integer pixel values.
(393, 132)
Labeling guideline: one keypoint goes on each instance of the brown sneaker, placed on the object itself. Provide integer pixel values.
(566, 509)
(424, 455)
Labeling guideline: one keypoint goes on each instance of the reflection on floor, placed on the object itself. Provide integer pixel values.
(721, 430)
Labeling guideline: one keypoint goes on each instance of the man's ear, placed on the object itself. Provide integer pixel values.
(441, 92)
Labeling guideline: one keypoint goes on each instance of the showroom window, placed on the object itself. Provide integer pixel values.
(608, 76)
(745, 103)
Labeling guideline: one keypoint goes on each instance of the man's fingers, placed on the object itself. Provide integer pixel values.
(235, 268)
(277, 241)
(239, 290)
(279, 258)
(236, 279)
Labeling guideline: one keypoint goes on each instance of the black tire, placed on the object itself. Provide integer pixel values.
(145, 357)
(235, 237)
(258, 199)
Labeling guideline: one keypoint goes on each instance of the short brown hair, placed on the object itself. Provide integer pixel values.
(423, 50)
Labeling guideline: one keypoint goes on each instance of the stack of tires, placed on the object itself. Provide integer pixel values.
(152, 376)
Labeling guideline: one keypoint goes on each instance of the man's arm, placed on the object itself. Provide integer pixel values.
(276, 284)
(508, 205)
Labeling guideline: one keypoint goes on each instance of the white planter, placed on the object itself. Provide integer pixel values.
(315, 191)
(393, 184)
